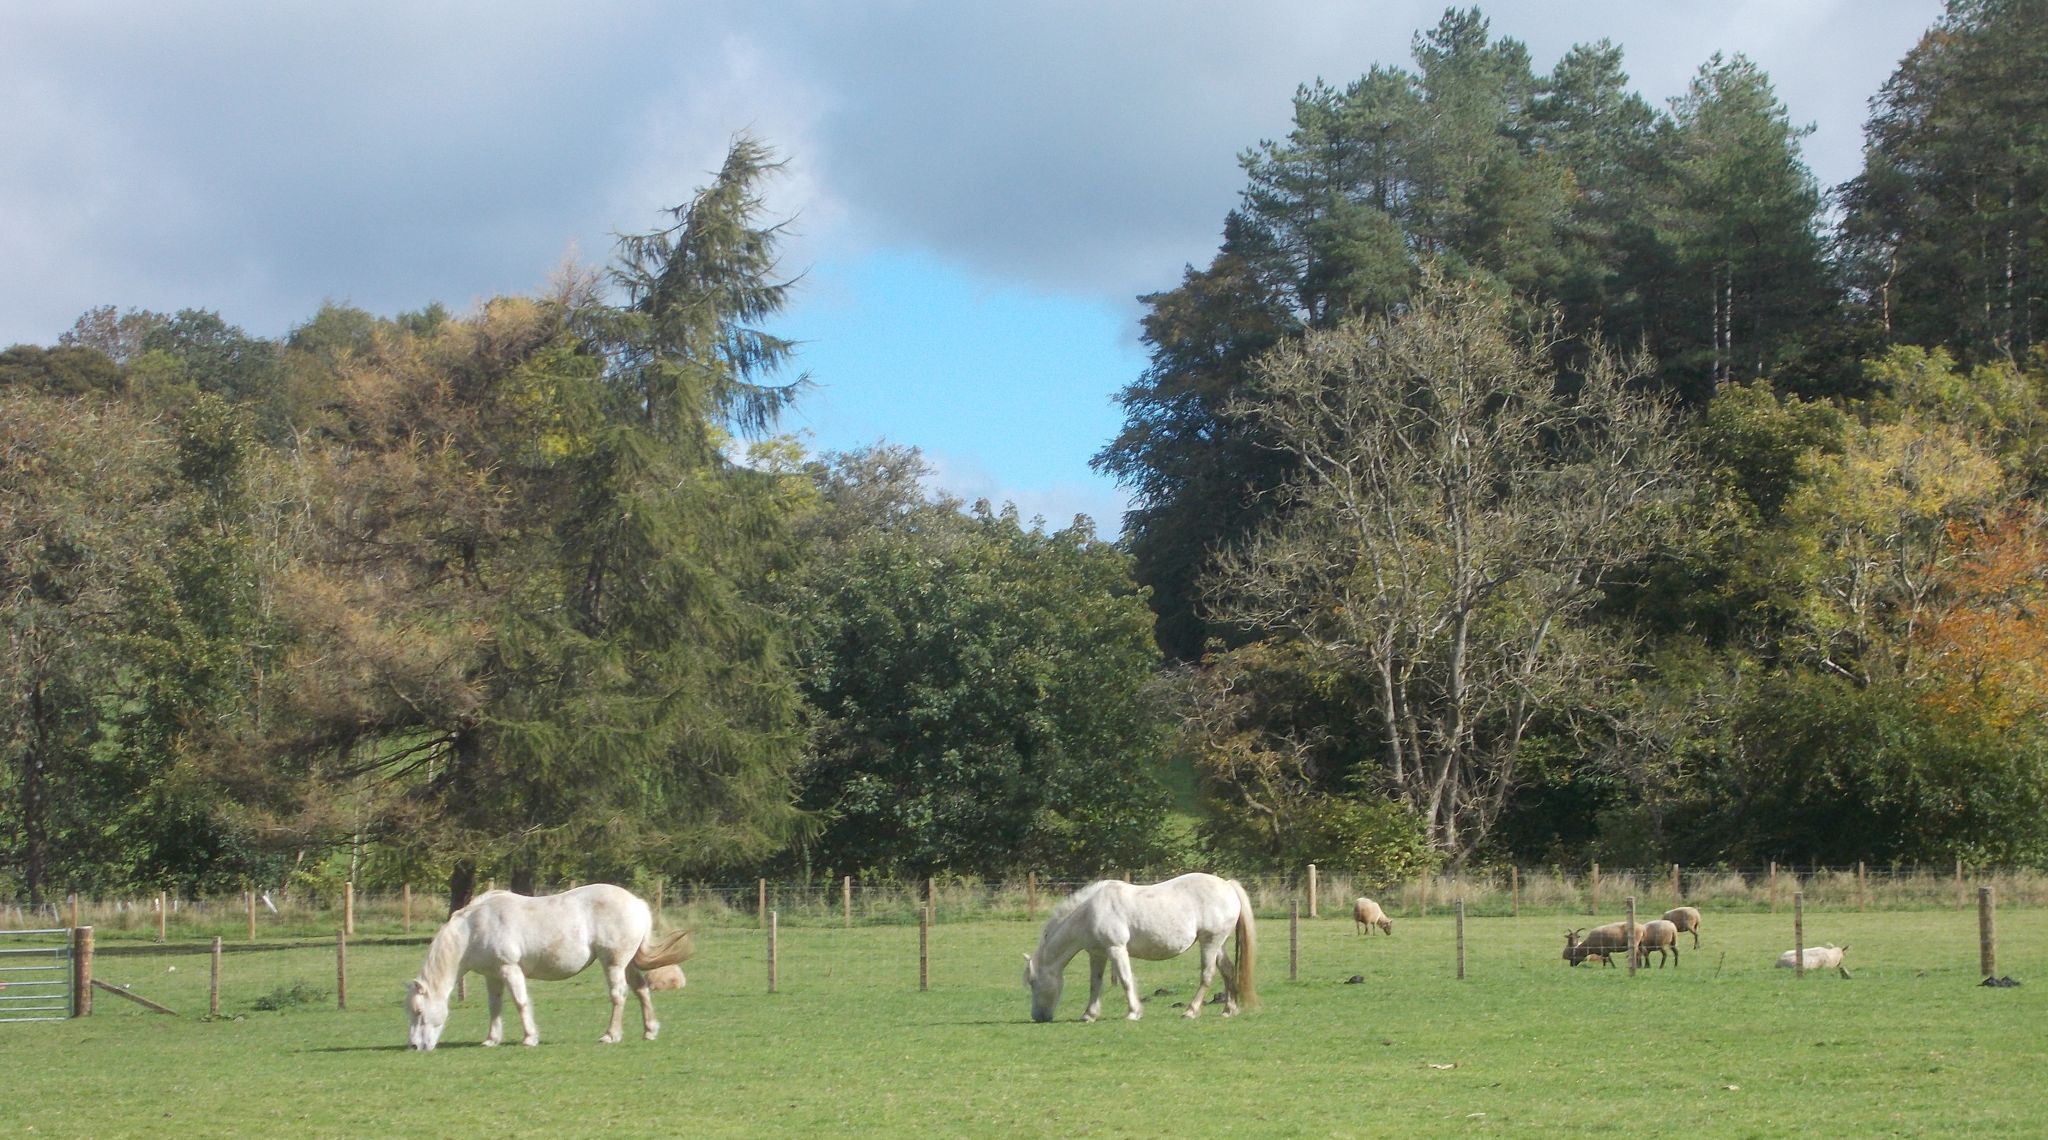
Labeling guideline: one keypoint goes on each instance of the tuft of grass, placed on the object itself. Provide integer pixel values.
(298, 995)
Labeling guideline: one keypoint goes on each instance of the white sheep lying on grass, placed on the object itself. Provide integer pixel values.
(1817, 957)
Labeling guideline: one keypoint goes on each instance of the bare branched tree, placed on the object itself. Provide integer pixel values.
(1459, 509)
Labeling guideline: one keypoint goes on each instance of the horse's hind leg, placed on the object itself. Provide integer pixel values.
(1228, 970)
(515, 982)
(1209, 953)
(637, 982)
(1120, 958)
(615, 983)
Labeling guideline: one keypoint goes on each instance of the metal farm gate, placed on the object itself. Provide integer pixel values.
(35, 975)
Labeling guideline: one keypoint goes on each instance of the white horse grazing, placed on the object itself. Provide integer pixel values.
(1114, 921)
(509, 938)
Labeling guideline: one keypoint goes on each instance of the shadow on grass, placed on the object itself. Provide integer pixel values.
(386, 1048)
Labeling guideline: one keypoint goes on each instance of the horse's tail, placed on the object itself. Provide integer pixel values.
(654, 955)
(1247, 950)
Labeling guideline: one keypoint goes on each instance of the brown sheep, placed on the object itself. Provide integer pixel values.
(1367, 913)
(1685, 918)
(1599, 942)
(1660, 936)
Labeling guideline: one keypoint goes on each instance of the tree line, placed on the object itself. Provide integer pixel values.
(1578, 477)
(1533, 473)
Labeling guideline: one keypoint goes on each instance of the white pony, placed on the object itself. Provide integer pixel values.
(1114, 921)
(508, 938)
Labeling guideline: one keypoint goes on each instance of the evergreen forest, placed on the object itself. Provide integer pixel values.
(1534, 474)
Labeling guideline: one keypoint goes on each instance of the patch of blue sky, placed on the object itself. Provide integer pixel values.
(1007, 391)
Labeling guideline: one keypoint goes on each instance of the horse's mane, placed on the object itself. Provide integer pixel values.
(444, 953)
(1067, 906)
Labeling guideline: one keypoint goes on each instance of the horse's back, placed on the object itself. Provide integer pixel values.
(1164, 919)
(551, 937)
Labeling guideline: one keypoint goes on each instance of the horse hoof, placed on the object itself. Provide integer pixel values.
(490, 1044)
(608, 1039)
(1134, 1015)
(1191, 1014)
(650, 1035)
(530, 1042)
(1086, 1018)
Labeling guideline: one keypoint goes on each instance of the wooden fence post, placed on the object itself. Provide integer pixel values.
(213, 982)
(846, 900)
(348, 908)
(761, 903)
(1631, 933)
(74, 911)
(1312, 891)
(405, 905)
(1459, 906)
(1293, 939)
(81, 971)
(1514, 892)
(1987, 933)
(773, 918)
(1677, 894)
(341, 969)
(924, 948)
(251, 893)
(163, 913)
(1798, 934)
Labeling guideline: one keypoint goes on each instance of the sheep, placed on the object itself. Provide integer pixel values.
(1661, 936)
(1367, 913)
(1599, 942)
(1817, 957)
(1685, 918)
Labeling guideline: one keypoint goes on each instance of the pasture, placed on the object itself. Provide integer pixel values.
(1723, 1045)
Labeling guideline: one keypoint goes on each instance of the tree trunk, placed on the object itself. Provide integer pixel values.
(35, 824)
(461, 884)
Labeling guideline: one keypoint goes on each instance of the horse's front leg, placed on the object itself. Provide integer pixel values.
(496, 986)
(615, 983)
(1120, 957)
(1096, 960)
(1209, 953)
(515, 983)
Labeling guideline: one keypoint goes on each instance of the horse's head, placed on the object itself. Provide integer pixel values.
(1045, 988)
(425, 1017)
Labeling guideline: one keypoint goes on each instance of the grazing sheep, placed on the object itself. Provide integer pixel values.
(1661, 936)
(1817, 957)
(1685, 918)
(1365, 913)
(1599, 942)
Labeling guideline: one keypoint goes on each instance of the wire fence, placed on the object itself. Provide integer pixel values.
(269, 914)
(848, 938)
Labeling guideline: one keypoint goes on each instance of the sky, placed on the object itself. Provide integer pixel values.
(976, 191)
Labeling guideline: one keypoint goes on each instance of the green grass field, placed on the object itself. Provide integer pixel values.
(1723, 1045)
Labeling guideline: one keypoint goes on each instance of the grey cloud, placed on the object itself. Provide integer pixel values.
(259, 158)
